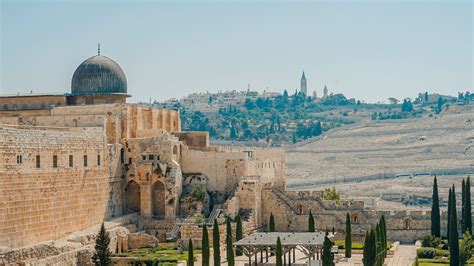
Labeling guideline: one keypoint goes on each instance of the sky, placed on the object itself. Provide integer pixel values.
(368, 50)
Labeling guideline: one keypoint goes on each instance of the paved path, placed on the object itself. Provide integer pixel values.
(405, 255)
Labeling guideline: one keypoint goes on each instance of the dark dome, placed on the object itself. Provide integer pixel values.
(98, 75)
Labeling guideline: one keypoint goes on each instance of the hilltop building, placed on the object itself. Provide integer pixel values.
(303, 85)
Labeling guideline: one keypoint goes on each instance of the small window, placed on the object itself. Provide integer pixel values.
(98, 159)
(38, 161)
(130, 160)
(143, 157)
(85, 160)
(122, 156)
(55, 161)
(151, 157)
(71, 161)
(19, 159)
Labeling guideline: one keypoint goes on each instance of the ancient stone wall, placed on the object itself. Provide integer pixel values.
(291, 211)
(53, 181)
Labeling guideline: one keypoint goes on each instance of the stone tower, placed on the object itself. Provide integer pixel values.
(325, 92)
(303, 87)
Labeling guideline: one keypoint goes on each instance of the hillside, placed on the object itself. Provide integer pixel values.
(384, 149)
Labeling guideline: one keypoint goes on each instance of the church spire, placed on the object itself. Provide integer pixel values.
(98, 48)
(303, 76)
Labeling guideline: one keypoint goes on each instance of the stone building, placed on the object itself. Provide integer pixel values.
(70, 161)
(303, 85)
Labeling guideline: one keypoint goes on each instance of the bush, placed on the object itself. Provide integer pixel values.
(198, 193)
(426, 253)
(433, 242)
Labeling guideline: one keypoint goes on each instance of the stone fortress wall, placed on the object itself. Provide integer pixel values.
(53, 182)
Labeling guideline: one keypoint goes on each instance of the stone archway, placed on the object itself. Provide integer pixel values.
(158, 198)
(355, 218)
(407, 224)
(132, 197)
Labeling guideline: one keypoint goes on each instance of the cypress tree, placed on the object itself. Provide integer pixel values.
(453, 233)
(366, 251)
(348, 240)
(384, 233)
(449, 214)
(272, 223)
(190, 253)
(311, 227)
(327, 257)
(463, 206)
(378, 242)
(372, 246)
(216, 243)
(279, 253)
(238, 233)
(229, 247)
(435, 215)
(468, 219)
(205, 246)
(102, 255)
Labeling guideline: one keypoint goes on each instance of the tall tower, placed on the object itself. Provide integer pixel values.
(303, 87)
(325, 92)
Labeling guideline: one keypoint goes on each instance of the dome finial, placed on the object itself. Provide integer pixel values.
(98, 48)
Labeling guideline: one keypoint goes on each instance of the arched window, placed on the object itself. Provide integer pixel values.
(300, 209)
(5, 107)
(175, 150)
(407, 224)
(355, 218)
(15, 107)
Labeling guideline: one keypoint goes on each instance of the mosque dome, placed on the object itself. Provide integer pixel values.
(98, 75)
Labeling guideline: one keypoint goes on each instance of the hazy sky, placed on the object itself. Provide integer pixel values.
(369, 50)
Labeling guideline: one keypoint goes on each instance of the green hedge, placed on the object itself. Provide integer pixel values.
(431, 253)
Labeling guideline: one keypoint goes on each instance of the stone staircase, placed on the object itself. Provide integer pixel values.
(173, 234)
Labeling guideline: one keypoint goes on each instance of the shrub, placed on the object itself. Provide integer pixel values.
(430, 241)
(426, 253)
(198, 193)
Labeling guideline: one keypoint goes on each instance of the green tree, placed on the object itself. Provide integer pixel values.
(435, 216)
(190, 253)
(238, 233)
(348, 240)
(384, 234)
(205, 246)
(366, 252)
(311, 227)
(468, 217)
(272, 223)
(439, 105)
(228, 241)
(279, 253)
(453, 232)
(463, 206)
(216, 244)
(449, 214)
(327, 257)
(102, 255)
(466, 246)
(372, 246)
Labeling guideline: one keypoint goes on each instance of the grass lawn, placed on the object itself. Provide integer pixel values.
(437, 262)
(355, 245)
(165, 252)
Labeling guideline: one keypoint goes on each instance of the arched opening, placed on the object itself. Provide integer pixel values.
(355, 218)
(158, 198)
(407, 224)
(300, 209)
(5, 107)
(132, 197)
